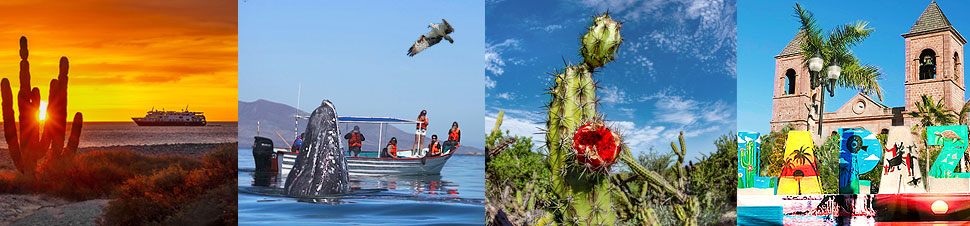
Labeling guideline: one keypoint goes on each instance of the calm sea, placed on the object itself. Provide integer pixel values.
(100, 134)
(456, 197)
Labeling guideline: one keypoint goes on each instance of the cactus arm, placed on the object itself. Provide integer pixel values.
(650, 176)
(10, 126)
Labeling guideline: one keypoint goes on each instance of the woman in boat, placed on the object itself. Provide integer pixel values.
(434, 147)
(354, 139)
(390, 151)
(421, 130)
(454, 138)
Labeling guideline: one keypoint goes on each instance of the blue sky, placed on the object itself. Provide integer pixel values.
(674, 72)
(765, 27)
(354, 53)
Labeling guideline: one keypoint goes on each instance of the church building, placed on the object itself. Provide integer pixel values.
(934, 67)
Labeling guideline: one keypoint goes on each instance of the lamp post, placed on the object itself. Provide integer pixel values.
(833, 72)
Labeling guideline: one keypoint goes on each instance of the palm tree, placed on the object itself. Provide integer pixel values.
(836, 48)
(802, 156)
(932, 113)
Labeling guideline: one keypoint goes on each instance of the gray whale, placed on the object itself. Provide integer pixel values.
(321, 167)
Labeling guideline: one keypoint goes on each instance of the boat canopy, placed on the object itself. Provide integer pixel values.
(376, 120)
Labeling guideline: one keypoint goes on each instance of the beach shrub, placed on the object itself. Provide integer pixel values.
(179, 193)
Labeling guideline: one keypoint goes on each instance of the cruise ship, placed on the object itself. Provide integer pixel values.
(171, 118)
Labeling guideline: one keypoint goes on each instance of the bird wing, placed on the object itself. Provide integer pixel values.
(423, 43)
(418, 46)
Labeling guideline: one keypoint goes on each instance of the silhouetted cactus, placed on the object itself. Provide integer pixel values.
(31, 143)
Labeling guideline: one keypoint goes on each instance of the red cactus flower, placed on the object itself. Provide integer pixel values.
(596, 146)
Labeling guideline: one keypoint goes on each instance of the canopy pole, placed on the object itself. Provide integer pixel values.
(380, 140)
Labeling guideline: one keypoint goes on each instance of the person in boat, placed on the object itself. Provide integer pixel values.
(454, 138)
(421, 130)
(354, 139)
(390, 151)
(297, 144)
(434, 147)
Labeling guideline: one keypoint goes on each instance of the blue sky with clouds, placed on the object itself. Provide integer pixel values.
(674, 72)
(765, 27)
(354, 53)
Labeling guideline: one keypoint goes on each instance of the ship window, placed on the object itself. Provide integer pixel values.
(927, 64)
(790, 81)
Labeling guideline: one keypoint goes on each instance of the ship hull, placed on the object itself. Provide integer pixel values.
(146, 123)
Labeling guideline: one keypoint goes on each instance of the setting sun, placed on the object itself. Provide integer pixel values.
(42, 112)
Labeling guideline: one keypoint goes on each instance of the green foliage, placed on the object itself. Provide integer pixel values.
(518, 166)
(837, 48)
(772, 152)
(828, 165)
(713, 183)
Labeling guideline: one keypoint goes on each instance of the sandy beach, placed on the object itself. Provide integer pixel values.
(34, 209)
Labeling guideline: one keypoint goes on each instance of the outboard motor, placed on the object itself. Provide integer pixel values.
(263, 154)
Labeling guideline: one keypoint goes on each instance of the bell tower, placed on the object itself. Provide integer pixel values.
(792, 97)
(934, 63)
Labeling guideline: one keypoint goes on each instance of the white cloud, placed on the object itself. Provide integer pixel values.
(638, 138)
(506, 96)
(517, 126)
(612, 95)
(489, 83)
(548, 28)
(493, 55)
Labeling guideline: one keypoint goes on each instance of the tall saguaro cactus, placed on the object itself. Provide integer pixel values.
(32, 142)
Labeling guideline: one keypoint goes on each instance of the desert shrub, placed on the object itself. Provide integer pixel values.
(179, 194)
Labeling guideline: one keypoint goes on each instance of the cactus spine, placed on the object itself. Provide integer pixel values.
(584, 196)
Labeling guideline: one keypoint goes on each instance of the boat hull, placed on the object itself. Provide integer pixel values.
(157, 123)
(371, 166)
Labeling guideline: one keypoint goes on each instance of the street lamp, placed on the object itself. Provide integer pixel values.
(833, 72)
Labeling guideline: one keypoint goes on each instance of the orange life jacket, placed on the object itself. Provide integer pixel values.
(424, 122)
(355, 140)
(453, 135)
(392, 149)
(435, 148)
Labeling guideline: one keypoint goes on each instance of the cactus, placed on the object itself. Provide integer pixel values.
(581, 148)
(31, 143)
(583, 190)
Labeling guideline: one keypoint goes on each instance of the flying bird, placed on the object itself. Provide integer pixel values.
(438, 32)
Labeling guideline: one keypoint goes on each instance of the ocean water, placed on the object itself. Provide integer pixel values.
(100, 134)
(456, 197)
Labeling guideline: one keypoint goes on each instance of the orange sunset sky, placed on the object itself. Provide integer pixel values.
(127, 56)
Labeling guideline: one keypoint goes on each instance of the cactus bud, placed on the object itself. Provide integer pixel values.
(602, 41)
(596, 146)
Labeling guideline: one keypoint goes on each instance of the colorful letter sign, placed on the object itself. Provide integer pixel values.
(954, 141)
(900, 168)
(799, 176)
(859, 153)
(749, 144)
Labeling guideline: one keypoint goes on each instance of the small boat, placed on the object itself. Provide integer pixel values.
(171, 118)
(367, 164)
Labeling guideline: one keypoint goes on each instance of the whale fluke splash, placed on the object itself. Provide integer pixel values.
(321, 167)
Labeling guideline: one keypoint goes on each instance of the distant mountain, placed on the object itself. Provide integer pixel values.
(277, 117)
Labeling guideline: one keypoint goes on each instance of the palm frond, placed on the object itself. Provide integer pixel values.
(863, 77)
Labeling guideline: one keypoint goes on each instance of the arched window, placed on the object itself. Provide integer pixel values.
(790, 81)
(927, 64)
(884, 131)
(956, 63)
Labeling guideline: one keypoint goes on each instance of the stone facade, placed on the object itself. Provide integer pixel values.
(932, 31)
